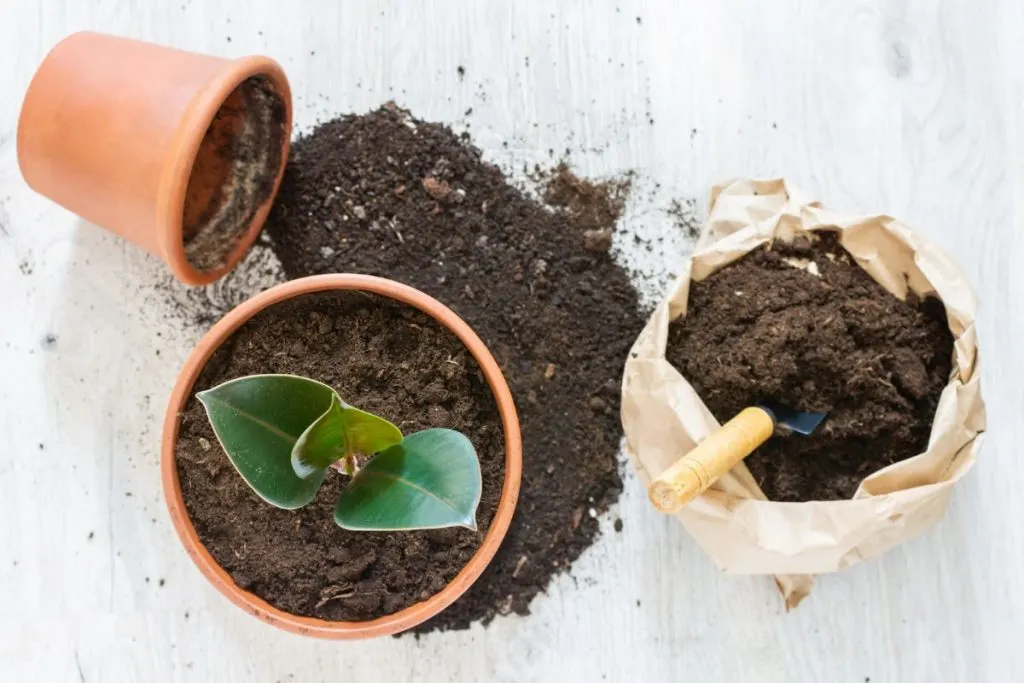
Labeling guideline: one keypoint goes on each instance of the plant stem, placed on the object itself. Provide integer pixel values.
(349, 465)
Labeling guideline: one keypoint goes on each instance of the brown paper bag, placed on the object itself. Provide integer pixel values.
(663, 417)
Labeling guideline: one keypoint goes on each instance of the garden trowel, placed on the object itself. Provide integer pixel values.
(692, 474)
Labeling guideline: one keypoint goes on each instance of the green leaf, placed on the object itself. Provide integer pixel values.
(428, 481)
(258, 420)
(341, 431)
(322, 444)
(367, 432)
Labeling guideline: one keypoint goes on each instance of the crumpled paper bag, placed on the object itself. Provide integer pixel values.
(664, 418)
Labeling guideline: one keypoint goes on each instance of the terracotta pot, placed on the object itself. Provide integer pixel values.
(180, 153)
(410, 616)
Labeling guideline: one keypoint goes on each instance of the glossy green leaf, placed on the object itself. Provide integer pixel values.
(428, 481)
(368, 433)
(341, 431)
(322, 444)
(258, 420)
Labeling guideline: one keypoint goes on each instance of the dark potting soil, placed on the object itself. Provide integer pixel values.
(386, 194)
(761, 328)
(383, 357)
(593, 207)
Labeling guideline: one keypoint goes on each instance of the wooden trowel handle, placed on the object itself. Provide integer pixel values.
(692, 474)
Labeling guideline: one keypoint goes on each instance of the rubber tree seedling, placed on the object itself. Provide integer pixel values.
(283, 433)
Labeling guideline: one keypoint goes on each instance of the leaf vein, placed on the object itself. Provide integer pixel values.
(269, 427)
(416, 487)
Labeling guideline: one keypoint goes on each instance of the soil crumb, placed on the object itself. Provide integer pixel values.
(592, 207)
(684, 215)
(804, 325)
(383, 357)
(387, 194)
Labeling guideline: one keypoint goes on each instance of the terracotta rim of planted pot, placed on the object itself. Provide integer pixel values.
(341, 630)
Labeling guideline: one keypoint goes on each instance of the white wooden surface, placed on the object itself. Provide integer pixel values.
(890, 105)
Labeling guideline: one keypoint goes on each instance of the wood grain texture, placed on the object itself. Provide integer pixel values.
(889, 105)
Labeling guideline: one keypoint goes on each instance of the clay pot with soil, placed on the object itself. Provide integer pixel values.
(320, 517)
(179, 153)
(856, 317)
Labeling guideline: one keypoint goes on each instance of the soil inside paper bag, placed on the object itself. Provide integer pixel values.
(803, 324)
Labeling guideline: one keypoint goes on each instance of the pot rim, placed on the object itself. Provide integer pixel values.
(177, 169)
(341, 630)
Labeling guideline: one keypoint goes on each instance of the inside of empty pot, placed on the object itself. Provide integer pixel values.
(234, 171)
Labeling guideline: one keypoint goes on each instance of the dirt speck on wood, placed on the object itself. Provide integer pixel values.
(684, 215)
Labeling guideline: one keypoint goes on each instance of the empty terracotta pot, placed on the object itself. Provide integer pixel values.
(341, 630)
(180, 153)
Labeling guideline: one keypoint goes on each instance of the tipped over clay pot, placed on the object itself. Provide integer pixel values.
(221, 334)
(178, 152)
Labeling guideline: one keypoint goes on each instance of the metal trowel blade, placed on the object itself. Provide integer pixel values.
(799, 421)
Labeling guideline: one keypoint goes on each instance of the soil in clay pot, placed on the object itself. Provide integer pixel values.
(381, 356)
(825, 337)
(387, 194)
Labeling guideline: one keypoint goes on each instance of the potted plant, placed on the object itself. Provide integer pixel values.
(326, 519)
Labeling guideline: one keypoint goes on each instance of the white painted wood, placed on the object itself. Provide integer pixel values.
(889, 105)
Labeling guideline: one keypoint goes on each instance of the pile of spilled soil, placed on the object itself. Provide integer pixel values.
(821, 337)
(384, 357)
(386, 194)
